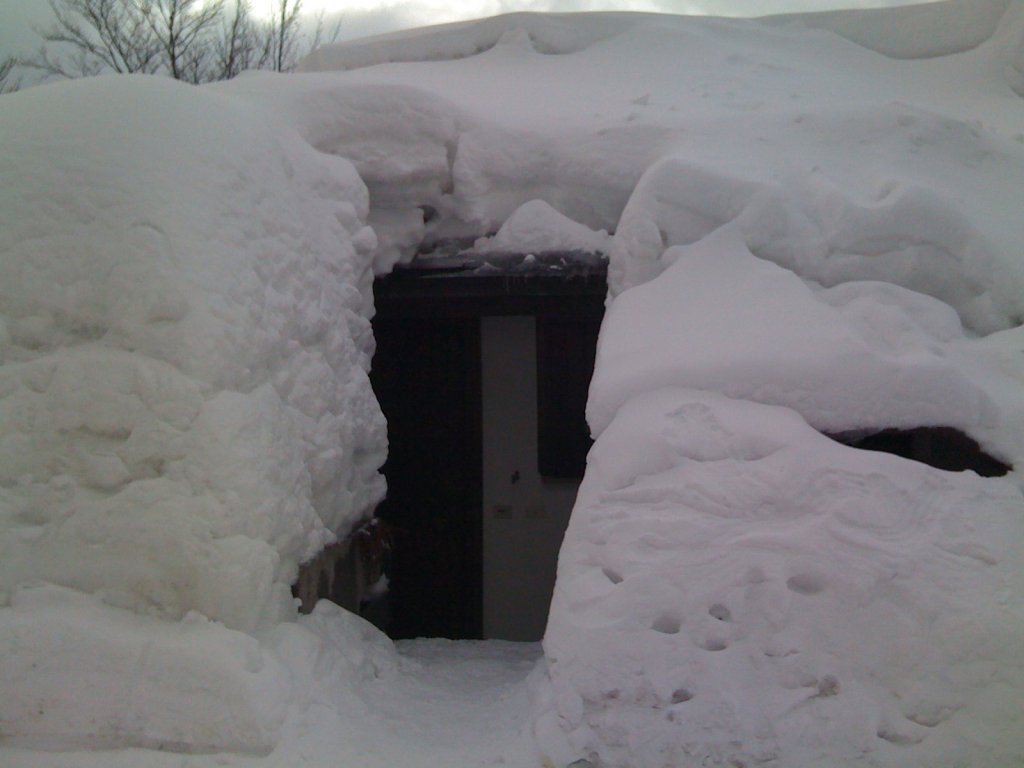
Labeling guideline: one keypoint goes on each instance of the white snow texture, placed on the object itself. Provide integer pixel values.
(185, 413)
(815, 228)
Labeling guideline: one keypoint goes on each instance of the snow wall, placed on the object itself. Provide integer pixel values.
(185, 412)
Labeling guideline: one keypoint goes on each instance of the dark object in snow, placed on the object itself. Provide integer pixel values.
(452, 258)
(426, 374)
(348, 572)
(940, 447)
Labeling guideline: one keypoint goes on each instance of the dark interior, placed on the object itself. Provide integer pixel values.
(426, 375)
(940, 447)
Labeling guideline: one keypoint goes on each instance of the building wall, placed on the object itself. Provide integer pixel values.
(525, 515)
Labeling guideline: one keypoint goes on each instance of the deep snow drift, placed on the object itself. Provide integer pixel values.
(736, 588)
(185, 414)
(807, 232)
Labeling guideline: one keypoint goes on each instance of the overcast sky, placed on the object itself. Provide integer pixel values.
(368, 17)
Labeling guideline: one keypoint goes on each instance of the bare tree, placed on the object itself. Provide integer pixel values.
(183, 29)
(91, 36)
(282, 34)
(238, 46)
(289, 38)
(192, 40)
(8, 82)
(321, 33)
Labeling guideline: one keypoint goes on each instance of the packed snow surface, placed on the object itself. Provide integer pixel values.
(813, 225)
(357, 700)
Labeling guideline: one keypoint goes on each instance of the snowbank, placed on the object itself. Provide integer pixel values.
(185, 414)
(913, 31)
(91, 678)
(834, 161)
(906, 233)
(549, 33)
(194, 686)
(536, 227)
(861, 355)
(735, 588)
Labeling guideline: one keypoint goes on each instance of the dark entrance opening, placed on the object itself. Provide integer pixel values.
(426, 377)
(940, 447)
(426, 374)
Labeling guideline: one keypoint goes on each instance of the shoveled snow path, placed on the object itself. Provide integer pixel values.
(450, 704)
(465, 702)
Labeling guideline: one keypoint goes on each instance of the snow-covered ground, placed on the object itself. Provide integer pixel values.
(814, 226)
(371, 704)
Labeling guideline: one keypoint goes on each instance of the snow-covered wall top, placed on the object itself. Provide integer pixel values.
(185, 414)
(802, 139)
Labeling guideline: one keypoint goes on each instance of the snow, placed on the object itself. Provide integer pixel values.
(861, 355)
(734, 586)
(194, 687)
(813, 226)
(919, 31)
(358, 700)
(536, 227)
(185, 413)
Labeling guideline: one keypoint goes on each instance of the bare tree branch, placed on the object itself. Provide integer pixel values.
(182, 28)
(322, 34)
(90, 36)
(192, 40)
(8, 83)
(237, 46)
(282, 36)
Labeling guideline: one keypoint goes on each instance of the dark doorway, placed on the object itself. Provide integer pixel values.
(426, 374)
(940, 447)
(426, 377)
(566, 348)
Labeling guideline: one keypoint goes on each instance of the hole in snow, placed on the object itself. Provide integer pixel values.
(715, 643)
(828, 686)
(720, 612)
(613, 576)
(805, 584)
(940, 447)
(756, 576)
(667, 625)
(679, 695)
(897, 738)
(931, 716)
